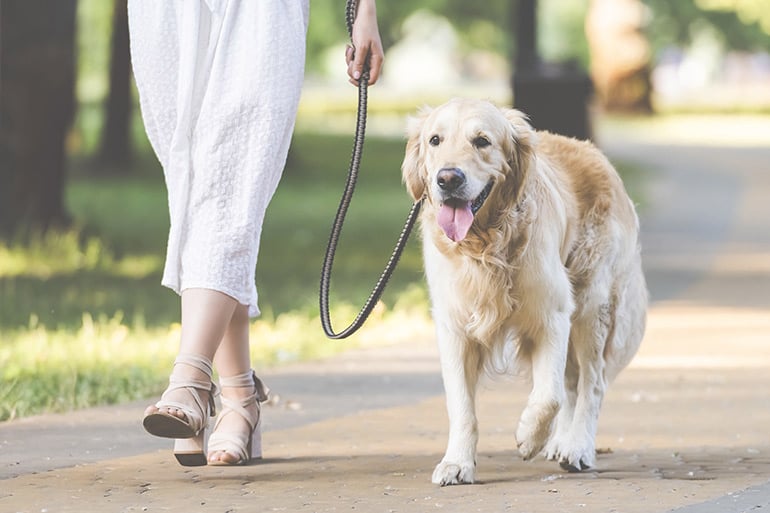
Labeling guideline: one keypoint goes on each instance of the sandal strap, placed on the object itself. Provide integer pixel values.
(201, 363)
(239, 406)
(231, 442)
(196, 415)
(247, 379)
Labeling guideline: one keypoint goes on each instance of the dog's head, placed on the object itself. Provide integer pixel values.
(468, 158)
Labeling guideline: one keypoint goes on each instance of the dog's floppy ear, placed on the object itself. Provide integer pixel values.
(521, 143)
(412, 169)
(523, 137)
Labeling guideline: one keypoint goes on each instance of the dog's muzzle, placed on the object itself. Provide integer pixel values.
(456, 214)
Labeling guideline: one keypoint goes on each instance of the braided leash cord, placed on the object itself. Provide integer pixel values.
(355, 162)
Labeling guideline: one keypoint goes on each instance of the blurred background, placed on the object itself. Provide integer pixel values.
(83, 214)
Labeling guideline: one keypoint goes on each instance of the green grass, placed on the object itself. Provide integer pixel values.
(299, 221)
(84, 319)
(107, 361)
(111, 262)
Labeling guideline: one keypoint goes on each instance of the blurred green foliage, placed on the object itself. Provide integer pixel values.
(84, 319)
(677, 23)
(94, 19)
(111, 262)
(749, 11)
(480, 25)
(327, 22)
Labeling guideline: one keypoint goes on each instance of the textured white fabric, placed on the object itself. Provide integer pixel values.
(219, 82)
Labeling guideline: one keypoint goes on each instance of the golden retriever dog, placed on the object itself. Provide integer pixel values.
(532, 258)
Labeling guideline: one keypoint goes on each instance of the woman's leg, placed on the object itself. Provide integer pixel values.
(206, 316)
(233, 356)
(232, 359)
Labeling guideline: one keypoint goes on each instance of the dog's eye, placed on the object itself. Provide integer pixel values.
(481, 142)
(435, 140)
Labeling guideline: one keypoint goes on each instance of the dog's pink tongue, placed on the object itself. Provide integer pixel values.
(455, 221)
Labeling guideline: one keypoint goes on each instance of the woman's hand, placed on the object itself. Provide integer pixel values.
(366, 44)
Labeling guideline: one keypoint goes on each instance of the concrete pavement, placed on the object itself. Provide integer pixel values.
(685, 426)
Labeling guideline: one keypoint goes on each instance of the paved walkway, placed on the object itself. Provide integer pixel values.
(686, 426)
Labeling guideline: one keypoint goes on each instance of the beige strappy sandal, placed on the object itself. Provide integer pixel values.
(190, 430)
(245, 447)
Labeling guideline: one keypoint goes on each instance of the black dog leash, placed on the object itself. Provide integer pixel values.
(331, 248)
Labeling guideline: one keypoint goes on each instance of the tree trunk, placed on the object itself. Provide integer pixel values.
(37, 77)
(620, 55)
(115, 147)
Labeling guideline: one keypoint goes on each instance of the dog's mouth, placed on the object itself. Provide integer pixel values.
(455, 216)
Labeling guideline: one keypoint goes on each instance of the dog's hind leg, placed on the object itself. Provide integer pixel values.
(606, 332)
(574, 445)
(461, 363)
(594, 330)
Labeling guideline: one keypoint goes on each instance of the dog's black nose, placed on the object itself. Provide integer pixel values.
(450, 179)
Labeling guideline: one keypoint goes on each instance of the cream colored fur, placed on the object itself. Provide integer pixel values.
(551, 264)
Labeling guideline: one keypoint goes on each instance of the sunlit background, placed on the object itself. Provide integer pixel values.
(83, 319)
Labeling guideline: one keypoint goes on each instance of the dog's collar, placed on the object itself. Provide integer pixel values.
(482, 197)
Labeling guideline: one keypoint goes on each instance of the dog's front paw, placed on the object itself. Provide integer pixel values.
(535, 428)
(572, 455)
(450, 473)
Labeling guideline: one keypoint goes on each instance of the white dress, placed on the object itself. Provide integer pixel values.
(219, 82)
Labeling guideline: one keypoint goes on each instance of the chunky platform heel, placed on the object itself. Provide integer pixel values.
(191, 452)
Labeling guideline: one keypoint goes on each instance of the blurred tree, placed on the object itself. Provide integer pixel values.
(115, 149)
(37, 76)
(620, 55)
